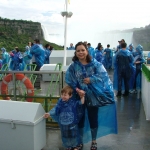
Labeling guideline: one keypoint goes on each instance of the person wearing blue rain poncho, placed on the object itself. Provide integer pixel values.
(71, 47)
(108, 57)
(26, 57)
(138, 61)
(148, 58)
(5, 58)
(0, 63)
(91, 77)
(131, 81)
(37, 53)
(67, 113)
(123, 64)
(131, 48)
(99, 54)
(91, 50)
(16, 63)
(47, 53)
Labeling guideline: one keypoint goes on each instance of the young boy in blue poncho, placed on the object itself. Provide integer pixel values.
(67, 113)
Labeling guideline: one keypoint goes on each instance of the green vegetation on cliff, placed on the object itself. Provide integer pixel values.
(19, 32)
(142, 37)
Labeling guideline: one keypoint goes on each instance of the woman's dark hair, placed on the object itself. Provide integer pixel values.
(32, 43)
(47, 45)
(99, 47)
(108, 45)
(75, 58)
(51, 48)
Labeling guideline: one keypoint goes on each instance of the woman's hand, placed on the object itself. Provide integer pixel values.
(46, 115)
(86, 80)
(80, 92)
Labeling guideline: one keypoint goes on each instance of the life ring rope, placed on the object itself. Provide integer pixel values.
(21, 77)
(24, 79)
(5, 82)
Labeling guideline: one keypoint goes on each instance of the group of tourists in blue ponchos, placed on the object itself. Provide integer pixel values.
(34, 53)
(127, 68)
(102, 55)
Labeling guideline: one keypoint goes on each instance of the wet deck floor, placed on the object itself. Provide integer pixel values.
(133, 129)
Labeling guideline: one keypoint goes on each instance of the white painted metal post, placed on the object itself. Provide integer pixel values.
(65, 35)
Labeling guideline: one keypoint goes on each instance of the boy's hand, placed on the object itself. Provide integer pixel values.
(46, 115)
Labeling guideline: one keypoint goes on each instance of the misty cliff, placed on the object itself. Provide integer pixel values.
(19, 32)
(142, 36)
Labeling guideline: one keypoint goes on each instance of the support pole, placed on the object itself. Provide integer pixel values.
(65, 35)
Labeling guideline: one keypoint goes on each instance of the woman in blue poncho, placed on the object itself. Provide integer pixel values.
(99, 54)
(138, 61)
(91, 77)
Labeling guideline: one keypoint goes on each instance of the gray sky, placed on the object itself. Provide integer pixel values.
(89, 16)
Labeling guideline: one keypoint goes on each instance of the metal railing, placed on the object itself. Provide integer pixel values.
(48, 95)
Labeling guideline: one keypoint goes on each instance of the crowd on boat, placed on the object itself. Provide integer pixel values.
(35, 53)
(125, 60)
(88, 82)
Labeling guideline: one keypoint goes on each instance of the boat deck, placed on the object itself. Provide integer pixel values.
(133, 128)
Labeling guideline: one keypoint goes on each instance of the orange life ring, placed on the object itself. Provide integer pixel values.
(21, 77)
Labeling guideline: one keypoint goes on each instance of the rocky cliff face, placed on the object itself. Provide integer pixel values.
(19, 32)
(32, 29)
(142, 37)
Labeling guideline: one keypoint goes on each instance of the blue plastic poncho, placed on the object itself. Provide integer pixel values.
(148, 61)
(91, 52)
(26, 57)
(118, 67)
(68, 114)
(5, 57)
(38, 51)
(47, 54)
(0, 63)
(107, 120)
(131, 48)
(99, 56)
(138, 56)
(16, 62)
(117, 49)
(107, 62)
(71, 48)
